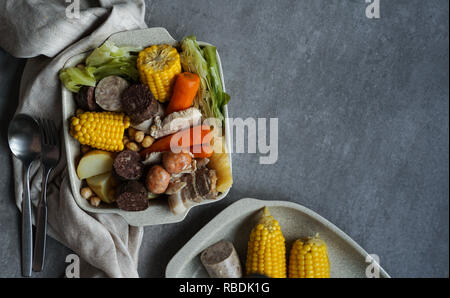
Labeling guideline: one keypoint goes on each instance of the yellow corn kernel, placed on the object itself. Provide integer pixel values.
(158, 66)
(100, 130)
(266, 253)
(309, 259)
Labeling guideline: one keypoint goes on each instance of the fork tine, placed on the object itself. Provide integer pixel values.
(47, 132)
(43, 130)
(40, 128)
(55, 135)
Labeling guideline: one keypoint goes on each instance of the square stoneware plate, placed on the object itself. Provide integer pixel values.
(158, 212)
(347, 258)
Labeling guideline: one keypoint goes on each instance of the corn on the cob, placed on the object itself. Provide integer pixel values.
(158, 65)
(266, 252)
(101, 130)
(309, 259)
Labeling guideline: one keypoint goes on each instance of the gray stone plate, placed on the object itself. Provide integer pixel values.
(347, 258)
(158, 212)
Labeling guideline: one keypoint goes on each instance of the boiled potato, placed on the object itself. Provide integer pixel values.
(94, 163)
(103, 185)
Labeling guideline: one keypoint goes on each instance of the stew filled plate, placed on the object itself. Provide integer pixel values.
(145, 127)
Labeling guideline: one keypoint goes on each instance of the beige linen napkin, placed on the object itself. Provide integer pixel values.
(40, 30)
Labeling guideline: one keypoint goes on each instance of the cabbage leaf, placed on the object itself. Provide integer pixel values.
(104, 61)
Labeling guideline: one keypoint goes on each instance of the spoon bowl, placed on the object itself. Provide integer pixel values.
(24, 138)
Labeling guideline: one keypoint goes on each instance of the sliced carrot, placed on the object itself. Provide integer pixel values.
(202, 151)
(184, 91)
(196, 135)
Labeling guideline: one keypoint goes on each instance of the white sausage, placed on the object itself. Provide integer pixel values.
(221, 260)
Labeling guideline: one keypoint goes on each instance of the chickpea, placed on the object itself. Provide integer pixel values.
(131, 132)
(147, 141)
(95, 201)
(125, 140)
(175, 163)
(157, 180)
(139, 136)
(132, 146)
(86, 192)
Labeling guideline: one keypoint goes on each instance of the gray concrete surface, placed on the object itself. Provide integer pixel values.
(363, 121)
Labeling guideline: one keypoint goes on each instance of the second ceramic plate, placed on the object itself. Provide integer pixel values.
(347, 258)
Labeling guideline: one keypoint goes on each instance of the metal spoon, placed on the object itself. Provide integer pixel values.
(25, 143)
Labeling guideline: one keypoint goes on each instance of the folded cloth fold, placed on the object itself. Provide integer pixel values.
(49, 33)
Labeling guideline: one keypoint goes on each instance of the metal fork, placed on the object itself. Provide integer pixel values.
(49, 159)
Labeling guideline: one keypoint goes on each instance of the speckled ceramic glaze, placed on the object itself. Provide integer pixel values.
(347, 258)
(158, 212)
